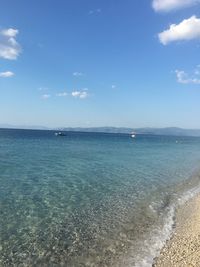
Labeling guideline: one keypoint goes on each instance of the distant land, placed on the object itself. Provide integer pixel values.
(148, 130)
(175, 131)
(25, 127)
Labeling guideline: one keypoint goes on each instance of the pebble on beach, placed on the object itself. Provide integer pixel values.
(183, 249)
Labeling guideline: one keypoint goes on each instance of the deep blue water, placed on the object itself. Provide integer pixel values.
(90, 199)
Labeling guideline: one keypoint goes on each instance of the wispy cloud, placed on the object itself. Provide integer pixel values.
(95, 11)
(83, 93)
(113, 86)
(46, 96)
(62, 94)
(188, 29)
(6, 74)
(169, 5)
(185, 78)
(78, 74)
(9, 47)
(43, 89)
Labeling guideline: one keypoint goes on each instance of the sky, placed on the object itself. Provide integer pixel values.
(88, 63)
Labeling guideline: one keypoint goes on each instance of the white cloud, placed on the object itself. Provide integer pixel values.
(188, 29)
(80, 94)
(9, 48)
(10, 32)
(6, 74)
(197, 70)
(46, 96)
(185, 78)
(77, 74)
(62, 94)
(168, 5)
(95, 11)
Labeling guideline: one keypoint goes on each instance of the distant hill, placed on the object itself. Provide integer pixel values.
(169, 131)
(175, 131)
(154, 131)
(25, 127)
(99, 129)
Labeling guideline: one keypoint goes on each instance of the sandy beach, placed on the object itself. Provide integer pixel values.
(183, 249)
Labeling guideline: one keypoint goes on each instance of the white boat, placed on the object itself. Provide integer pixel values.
(133, 135)
(60, 134)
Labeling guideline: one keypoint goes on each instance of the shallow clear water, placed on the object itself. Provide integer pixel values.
(90, 199)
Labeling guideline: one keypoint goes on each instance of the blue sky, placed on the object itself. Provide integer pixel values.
(132, 63)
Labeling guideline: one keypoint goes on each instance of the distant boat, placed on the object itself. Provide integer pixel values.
(133, 135)
(60, 134)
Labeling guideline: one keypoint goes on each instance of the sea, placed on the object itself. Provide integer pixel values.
(91, 199)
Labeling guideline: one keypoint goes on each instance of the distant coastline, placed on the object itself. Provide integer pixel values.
(170, 131)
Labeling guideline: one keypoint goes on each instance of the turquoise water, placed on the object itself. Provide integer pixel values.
(90, 199)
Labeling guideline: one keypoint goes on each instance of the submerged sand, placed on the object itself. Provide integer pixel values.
(183, 249)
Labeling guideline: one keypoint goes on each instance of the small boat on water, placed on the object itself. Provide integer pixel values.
(60, 134)
(133, 135)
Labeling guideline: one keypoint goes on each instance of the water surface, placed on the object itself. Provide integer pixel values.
(90, 199)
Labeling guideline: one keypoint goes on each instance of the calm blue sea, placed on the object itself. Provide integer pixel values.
(91, 199)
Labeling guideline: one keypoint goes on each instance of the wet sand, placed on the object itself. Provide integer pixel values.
(183, 249)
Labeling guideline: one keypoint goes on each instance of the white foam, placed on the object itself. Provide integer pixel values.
(189, 194)
(152, 246)
(156, 241)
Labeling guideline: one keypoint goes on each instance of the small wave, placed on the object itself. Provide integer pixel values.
(188, 195)
(152, 245)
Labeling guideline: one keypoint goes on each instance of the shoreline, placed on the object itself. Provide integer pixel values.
(183, 248)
